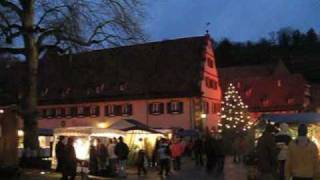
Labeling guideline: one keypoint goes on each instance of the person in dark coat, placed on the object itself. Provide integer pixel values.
(60, 151)
(198, 151)
(210, 153)
(122, 151)
(141, 162)
(267, 154)
(220, 154)
(70, 165)
(93, 161)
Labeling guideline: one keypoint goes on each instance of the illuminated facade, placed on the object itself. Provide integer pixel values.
(166, 84)
(269, 88)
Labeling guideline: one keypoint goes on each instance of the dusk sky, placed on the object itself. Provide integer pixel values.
(238, 20)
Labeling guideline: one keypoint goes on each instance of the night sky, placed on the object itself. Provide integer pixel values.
(238, 20)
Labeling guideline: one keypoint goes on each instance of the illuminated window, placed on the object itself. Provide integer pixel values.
(279, 83)
(156, 108)
(175, 107)
(210, 63)
(127, 109)
(109, 110)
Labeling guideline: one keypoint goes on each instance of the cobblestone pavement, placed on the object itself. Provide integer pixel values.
(189, 172)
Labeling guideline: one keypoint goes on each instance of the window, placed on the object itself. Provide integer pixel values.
(156, 108)
(265, 101)
(68, 112)
(216, 107)
(58, 112)
(205, 107)
(109, 110)
(248, 92)
(175, 107)
(51, 112)
(126, 109)
(210, 83)
(210, 63)
(43, 113)
(86, 111)
(95, 111)
(290, 100)
(80, 111)
(238, 84)
(73, 111)
(279, 83)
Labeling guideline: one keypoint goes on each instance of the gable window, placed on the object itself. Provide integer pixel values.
(205, 107)
(210, 63)
(127, 109)
(210, 83)
(175, 107)
(95, 111)
(109, 110)
(156, 108)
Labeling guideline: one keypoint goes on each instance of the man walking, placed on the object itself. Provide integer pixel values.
(302, 160)
(122, 152)
(60, 153)
(267, 154)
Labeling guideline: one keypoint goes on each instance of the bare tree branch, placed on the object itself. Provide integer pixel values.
(12, 50)
(12, 6)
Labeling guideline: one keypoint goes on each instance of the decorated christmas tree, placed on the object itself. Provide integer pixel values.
(234, 116)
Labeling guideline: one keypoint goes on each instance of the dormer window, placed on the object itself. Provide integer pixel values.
(265, 101)
(279, 83)
(238, 84)
(123, 86)
(248, 92)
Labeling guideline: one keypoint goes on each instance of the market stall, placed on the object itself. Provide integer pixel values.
(138, 136)
(83, 136)
(293, 120)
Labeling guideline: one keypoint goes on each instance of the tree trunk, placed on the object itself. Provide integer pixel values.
(30, 114)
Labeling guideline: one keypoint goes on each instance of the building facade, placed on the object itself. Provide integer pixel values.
(269, 88)
(167, 84)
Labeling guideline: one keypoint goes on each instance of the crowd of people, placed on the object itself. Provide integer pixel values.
(282, 157)
(108, 158)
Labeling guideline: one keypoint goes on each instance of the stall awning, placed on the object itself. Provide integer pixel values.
(131, 124)
(87, 131)
(298, 118)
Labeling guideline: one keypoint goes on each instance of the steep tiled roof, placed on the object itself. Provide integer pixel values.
(170, 68)
(265, 88)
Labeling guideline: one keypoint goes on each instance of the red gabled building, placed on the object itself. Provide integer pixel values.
(268, 88)
(166, 84)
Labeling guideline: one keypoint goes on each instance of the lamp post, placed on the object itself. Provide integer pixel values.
(202, 121)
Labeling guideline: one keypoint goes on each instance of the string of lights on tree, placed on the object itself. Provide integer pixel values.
(234, 116)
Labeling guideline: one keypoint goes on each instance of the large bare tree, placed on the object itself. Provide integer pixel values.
(29, 28)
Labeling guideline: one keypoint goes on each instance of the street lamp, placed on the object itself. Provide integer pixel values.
(1, 111)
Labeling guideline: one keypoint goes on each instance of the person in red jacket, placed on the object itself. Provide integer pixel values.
(176, 153)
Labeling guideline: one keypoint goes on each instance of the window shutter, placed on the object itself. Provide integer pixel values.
(129, 109)
(106, 110)
(74, 111)
(63, 112)
(86, 111)
(169, 110)
(97, 111)
(117, 110)
(180, 107)
(161, 107)
(150, 108)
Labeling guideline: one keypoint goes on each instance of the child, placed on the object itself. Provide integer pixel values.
(142, 162)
